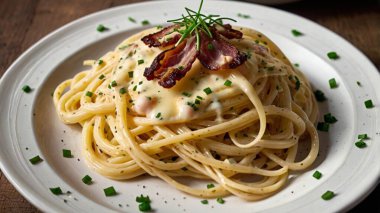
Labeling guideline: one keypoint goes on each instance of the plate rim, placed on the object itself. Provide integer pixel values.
(23, 188)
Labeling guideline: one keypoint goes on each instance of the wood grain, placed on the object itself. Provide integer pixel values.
(24, 22)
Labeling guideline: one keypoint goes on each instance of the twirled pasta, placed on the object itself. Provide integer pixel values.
(244, 135)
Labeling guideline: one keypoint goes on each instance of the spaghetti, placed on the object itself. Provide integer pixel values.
(239, 127)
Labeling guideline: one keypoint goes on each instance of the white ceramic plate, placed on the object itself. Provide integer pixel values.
(30, 127)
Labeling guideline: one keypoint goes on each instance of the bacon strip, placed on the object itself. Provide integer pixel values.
(227, 31)
(171, 65)
(215, 53)
(152, 40)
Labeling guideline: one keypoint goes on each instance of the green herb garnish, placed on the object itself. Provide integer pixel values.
(110, 191)
(368, 104)
(204, 201)
(332, 55)
(132, 19)
(145, 22)
(228, 83)
(210, 185)
(296, 33)
(66, 153)
(186, 94)
(220, 200)
(322, 126)
(319, 95)
(158, 115)
(363, 136)
(89, 94)
(123, 90)
(317, 175)
(26, 89)
(194, 22)
(243, 15)
(56, 190)
(207, 90)
(130, 74)
(141, 61)
(144, 205)
(328, 195)
(101, 77)
(87, 180)
(330, 118)
(35, 160)
(113, 84)
(360, 144)
(332, 83)
(101, 28)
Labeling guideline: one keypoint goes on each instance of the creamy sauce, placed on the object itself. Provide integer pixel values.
(149, 99)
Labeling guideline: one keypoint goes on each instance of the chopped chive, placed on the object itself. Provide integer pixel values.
(368, 104)
(243, 16)
(298, 83)
(87, 180)
(131, 19)
(100, 62)
(158, 115)
(101, 28)
(249, 54)
(328, 195)
(89, 94)
(330, 118)
(204, 201)
(26, 89)
(123, 90)
(210, 46)
(297, 65)
(210, 185)
(110, 191)
(319, 95)
(159, 27)
(360, 144)
(134, 88)
(56, 190)
(140, 82)
(332, 55)
(296, 33)
(317, 175)
(143, 199)
(145, 22)
(130, 74)
(363, 136)
(207, 90)
(145, 207)
(220, 200)
(113, 84)
(141, 61)
(101, 77)
(228, 83)
(35, 160)
(333, 83)
(124, 47)
(197, 101)
(186, 94)
(66, 153)
(358, 83)
(322, 126)
(199, 97)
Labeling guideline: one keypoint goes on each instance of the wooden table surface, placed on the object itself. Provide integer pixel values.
(24, 22)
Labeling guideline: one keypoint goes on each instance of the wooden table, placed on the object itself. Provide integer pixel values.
(24, 22)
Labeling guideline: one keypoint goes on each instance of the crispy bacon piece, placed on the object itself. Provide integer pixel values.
(215, 53)
(152, 40)
(227, 31)
(173, 64)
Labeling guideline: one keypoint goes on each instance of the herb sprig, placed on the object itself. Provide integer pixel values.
(194, 22)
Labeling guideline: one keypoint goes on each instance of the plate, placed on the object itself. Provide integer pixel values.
(30, 127)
